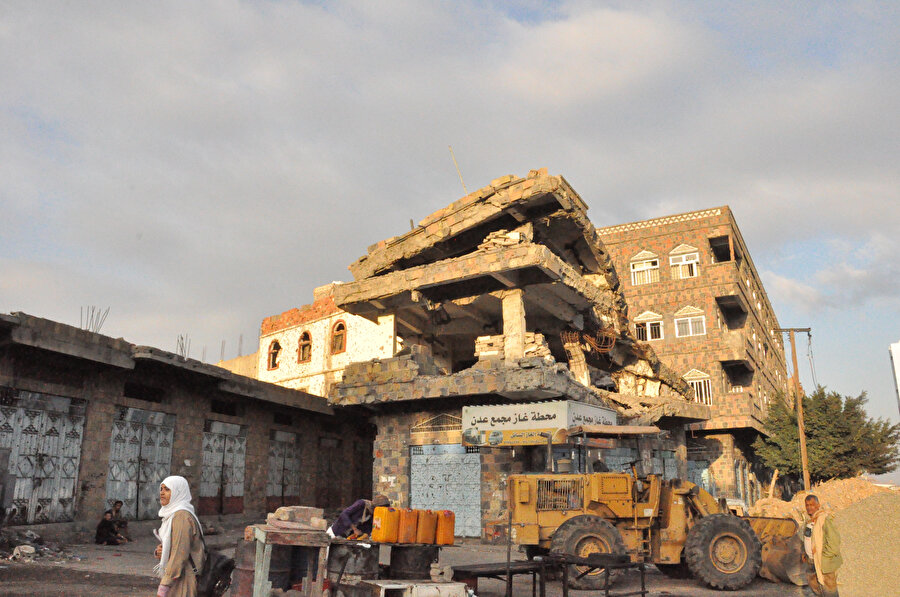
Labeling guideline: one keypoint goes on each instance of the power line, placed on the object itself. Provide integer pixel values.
(812, 361)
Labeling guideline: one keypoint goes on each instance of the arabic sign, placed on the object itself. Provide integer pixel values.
(523, 424)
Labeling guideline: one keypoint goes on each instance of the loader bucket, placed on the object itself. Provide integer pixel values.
(782, 549)
(781, 561)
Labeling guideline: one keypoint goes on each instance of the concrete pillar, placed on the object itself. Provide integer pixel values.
(514, 324)
(680, 451)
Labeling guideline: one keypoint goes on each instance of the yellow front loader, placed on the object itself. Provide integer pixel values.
(673, 524)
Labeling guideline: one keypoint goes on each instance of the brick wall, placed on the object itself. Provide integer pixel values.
(753, 343)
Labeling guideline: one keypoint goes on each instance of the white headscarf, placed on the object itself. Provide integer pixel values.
(180, 500)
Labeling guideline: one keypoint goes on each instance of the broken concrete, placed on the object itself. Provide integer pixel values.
(517, 257)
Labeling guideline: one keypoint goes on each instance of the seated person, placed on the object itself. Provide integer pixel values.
(106, 531)
(356, 520)
(119, 518)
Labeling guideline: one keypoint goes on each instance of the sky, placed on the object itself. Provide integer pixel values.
(198, 166)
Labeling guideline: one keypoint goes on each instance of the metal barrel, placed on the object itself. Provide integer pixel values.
(245, 563)
(412, 562)
(352, 563)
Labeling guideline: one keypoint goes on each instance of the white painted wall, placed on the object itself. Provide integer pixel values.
(366, 340)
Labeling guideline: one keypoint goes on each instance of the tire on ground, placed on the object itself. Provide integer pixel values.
(582, 536)
(723, 551)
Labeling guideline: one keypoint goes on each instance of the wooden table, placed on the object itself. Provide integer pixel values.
(503, 572)
(267, 536)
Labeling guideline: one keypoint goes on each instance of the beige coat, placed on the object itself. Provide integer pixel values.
(186, 543)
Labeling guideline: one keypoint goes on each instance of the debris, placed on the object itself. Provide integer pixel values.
(834, 495)
(870, 545)
(24, 553)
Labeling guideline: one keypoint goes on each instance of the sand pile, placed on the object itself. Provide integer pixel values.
(834, 495)
(870, 546)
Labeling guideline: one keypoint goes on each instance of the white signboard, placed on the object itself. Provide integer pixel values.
(523, 424)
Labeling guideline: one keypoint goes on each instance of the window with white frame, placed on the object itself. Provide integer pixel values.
(644, 272)
(690, 326)
(685, 266)
(701, 385)
(647, 331)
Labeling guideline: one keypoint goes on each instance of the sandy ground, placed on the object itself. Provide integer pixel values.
(126, 571)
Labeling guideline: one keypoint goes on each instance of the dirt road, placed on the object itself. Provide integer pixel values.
(125, 572)
(49, 580)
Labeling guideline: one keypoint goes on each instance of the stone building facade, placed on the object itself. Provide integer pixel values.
(91, 419)
(695, 296)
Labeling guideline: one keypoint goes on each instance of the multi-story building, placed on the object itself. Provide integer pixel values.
(459, 339)
(695, 296)
(495, 325)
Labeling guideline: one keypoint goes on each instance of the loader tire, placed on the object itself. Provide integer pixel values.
(723, 551)
(583, 536)
(675, 570)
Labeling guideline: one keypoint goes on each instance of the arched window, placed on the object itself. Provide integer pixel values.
(274, 351)
(304, 350)
(339, 338)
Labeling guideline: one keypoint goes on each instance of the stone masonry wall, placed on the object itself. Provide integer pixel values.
(190, 402)
(754, 341)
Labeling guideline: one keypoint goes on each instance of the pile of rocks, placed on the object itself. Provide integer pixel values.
(834, 495)
(492, 347)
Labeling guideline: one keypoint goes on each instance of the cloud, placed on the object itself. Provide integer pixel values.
(788, 290)
(851, 278)
(200, 166)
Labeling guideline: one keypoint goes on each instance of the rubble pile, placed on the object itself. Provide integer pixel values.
(491, 347)
(870, 545)
(27, 546)
(505, 238)
(834, 495)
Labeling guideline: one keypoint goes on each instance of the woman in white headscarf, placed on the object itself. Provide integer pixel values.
(180, 540)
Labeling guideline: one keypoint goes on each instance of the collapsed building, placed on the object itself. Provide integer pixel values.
(501, 320)
(509, 324)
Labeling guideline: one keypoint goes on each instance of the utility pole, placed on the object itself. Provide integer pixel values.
(799, 400)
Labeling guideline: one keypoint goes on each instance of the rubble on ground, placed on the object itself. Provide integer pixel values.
(870, 545)
(28, 546)
(835, 495)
